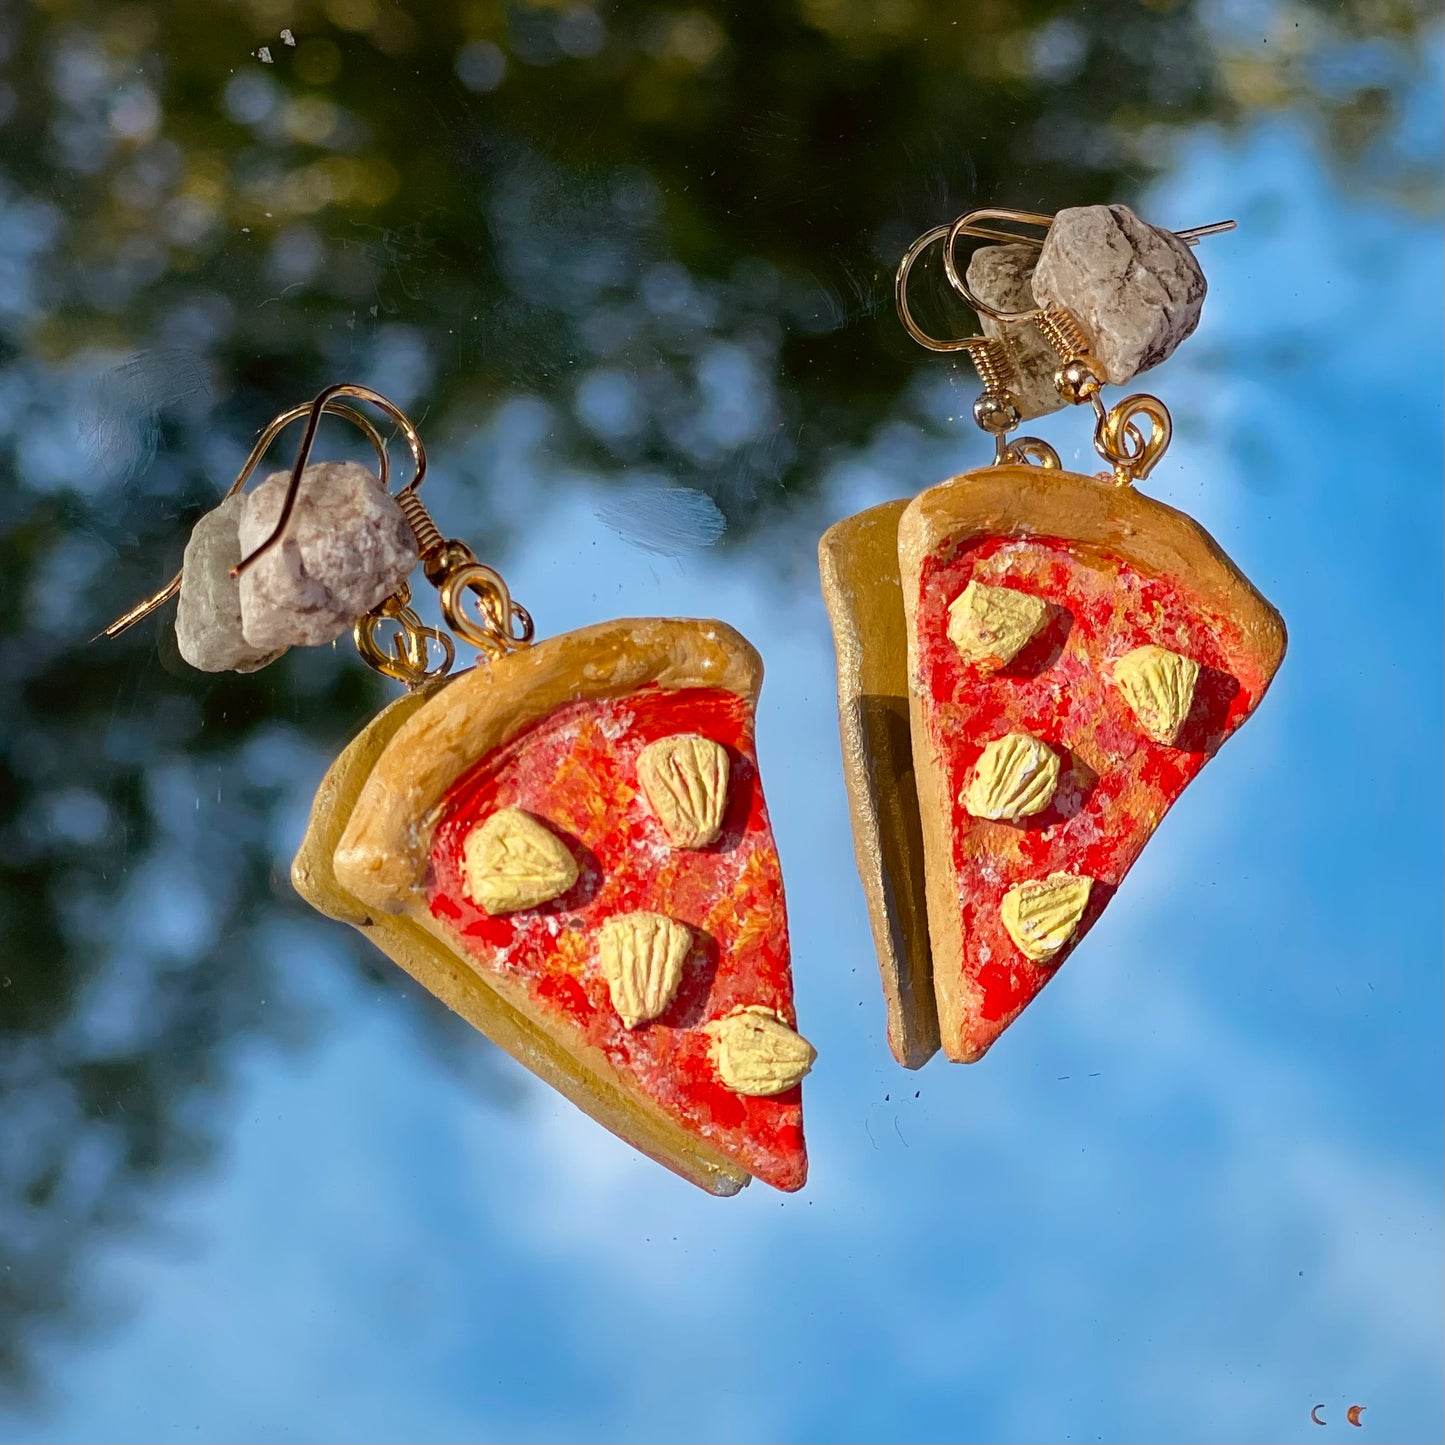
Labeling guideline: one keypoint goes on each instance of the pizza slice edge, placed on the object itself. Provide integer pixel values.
(858, 565)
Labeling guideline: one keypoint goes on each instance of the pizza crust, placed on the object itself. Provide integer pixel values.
(409, 756)
(1093, 515)
(384, 852)
(1028, 501)
(858, 562)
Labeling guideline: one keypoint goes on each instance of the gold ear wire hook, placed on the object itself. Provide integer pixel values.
(997, 410)
(968, 225)
(900, 296)
(450, 566)
(500, 623)
(1118, 439)
(263, 442)
(1191, 236)
(313, 414)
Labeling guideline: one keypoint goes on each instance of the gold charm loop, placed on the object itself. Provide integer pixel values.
(1123, 444)
(1031, 451)
(490, 629)
(408, 659)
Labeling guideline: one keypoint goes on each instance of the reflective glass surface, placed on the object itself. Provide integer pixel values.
(630, 268)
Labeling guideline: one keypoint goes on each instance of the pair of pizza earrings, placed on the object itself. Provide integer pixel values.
(568, 843)
(1032, 664)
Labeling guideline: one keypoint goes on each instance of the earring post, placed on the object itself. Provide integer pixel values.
(1215, 228)
(1191, 236)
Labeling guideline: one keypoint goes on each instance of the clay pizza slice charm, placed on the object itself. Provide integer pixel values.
(1032, 664)
(570, 847)
(1114, 650)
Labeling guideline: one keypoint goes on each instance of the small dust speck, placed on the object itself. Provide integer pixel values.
(287, 38)
(263, 54)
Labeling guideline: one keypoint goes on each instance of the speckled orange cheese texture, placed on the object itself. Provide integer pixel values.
(1115, 784)
(576, 771)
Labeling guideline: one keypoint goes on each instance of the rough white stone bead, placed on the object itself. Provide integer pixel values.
(208, 617)
(1136, 290)
(346, 547)
(1001, 277)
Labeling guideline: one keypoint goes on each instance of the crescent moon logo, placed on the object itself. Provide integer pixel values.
(1315, 1414)
(1353, 1414)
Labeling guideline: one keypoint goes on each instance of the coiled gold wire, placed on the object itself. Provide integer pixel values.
(1063, 332)
(428, 537)
(994, 363)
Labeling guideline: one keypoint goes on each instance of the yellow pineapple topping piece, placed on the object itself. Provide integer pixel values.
(991, 625)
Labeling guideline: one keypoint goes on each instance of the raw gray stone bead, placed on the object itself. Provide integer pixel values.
(1000, 277)
(346, 547)
(208, 617)
(1135, 289)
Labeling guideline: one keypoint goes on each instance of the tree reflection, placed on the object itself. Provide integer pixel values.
(672, 228)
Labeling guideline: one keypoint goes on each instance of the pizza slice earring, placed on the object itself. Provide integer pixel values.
(566, 843)
(1033, 664)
